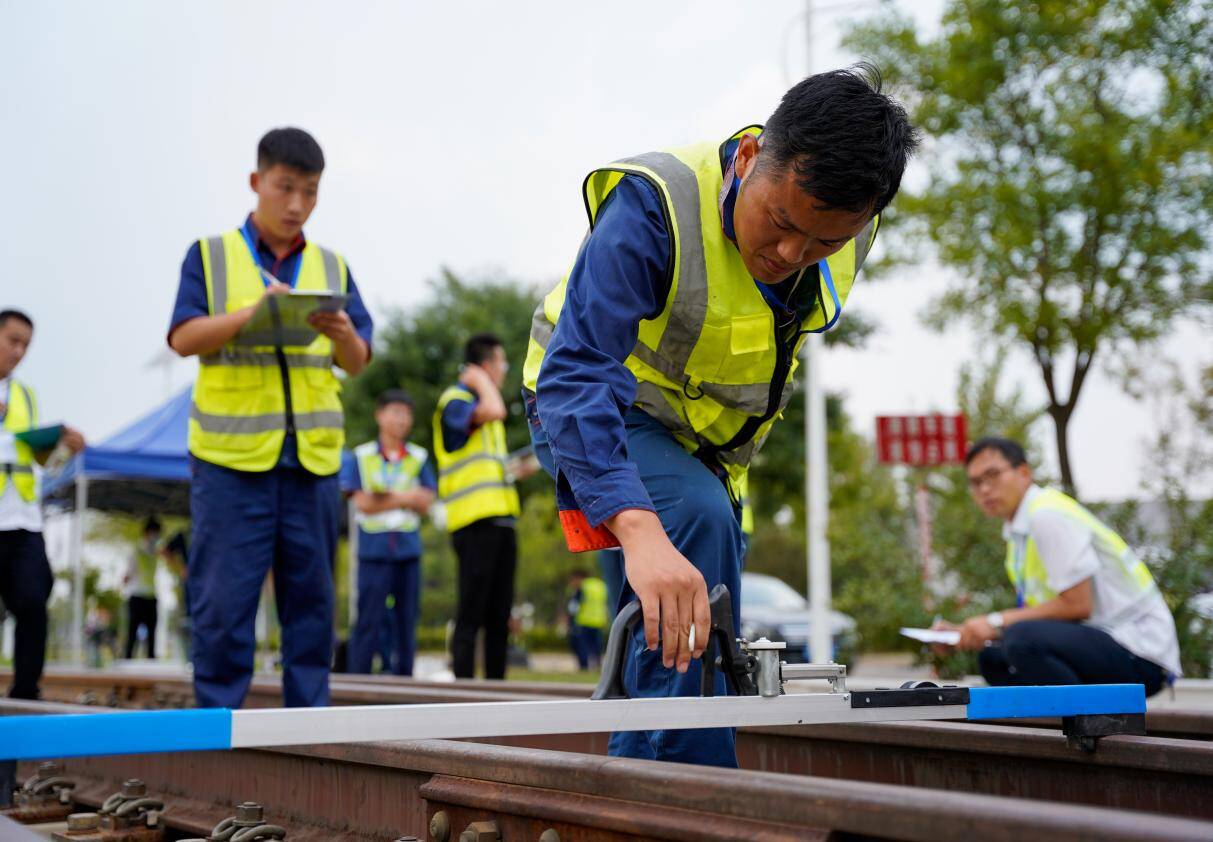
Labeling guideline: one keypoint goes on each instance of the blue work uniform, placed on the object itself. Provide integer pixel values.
(613, 456)
(246, 524)
(389, 564)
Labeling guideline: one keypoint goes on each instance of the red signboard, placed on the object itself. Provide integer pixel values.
(921, 440)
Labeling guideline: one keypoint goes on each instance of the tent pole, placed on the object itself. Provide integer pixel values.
(77, 562)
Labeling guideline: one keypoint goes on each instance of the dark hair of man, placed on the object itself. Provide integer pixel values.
(292, 148)
(480, 347)
(1012, 450)
(394, 396)
(846, 141)
(152, 524)
(5, 315)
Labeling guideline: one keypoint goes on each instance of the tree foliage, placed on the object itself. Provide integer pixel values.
(1071, 183)
(874, 569)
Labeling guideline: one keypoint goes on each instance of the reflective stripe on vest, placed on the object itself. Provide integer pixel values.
(1031, 576)
(472, 481)
(238, 415)
(592, 612)
(706, 365)
(21, 415)
(372, 470)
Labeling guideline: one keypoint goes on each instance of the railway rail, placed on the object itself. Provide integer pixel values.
(923, 767)
(447, 790)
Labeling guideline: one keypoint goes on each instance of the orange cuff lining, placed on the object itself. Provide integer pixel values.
(580, 537)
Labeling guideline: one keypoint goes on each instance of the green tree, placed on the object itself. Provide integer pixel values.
(421, 351)
(1179, 549)
(1071, 184)
(874, 568)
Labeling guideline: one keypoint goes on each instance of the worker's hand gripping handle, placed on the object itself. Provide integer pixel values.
(721, 652)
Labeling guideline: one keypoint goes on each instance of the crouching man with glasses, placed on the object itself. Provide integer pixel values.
(1087, 609)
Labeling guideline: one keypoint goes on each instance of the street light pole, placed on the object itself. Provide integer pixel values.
(816, 470)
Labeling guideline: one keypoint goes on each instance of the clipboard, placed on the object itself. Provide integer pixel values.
(41, 438)
(281, 320)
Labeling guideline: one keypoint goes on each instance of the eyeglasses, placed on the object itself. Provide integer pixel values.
(988, 478)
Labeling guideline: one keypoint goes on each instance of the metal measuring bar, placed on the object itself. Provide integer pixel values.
(753, 673)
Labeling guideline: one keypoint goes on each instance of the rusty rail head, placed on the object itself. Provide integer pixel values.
(880, 810)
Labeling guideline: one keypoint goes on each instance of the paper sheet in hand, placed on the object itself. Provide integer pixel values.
(292, 309)
(948, 637)
(41, 438)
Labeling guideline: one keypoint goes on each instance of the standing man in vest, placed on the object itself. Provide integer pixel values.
(25, 573)
(659, 365)
(393, 484)
(266, 429)
(1087, 610)
(140, 583)
(477, 490)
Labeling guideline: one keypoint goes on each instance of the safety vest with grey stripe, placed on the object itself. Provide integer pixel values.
(236, 353)
(688, 313)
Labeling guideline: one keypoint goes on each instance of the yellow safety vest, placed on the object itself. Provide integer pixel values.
(709, 367)
(472, 481)
(21, 415)
(376, 476)
(747, 507)
(239, 414)
(592, 613)
(1029, 575)
(146, 561)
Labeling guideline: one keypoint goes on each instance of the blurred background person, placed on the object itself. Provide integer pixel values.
(25, 572)
(480, 502)
(140, 586)
(588, 618)
(392, 483)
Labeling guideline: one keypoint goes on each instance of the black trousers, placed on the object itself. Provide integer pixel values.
(488, 555)
(25, 585)
(140, 611)
(1054, 652)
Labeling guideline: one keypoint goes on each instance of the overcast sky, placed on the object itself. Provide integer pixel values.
(456, 134)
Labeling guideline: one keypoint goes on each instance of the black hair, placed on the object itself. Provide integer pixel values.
(480, 347)
(292, 148)
(846, 141)
(151, 524)
(5, 315)
(394, 396)
(1011, 449)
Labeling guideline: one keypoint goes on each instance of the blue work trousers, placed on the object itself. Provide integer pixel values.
(1046, 652)
(377, 578)
(245, 525)
(586, 642)
(701, 521)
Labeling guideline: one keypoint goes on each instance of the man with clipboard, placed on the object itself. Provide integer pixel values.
(25, 573)
(266, 427)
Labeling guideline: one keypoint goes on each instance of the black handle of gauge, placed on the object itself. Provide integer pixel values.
(722, 651)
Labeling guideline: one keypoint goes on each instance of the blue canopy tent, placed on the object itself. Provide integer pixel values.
(142, 469)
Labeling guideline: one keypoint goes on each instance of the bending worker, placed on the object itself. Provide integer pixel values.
(25, 573)
(265, 433)
(659, 365)
(392, 483)
(1087, 609)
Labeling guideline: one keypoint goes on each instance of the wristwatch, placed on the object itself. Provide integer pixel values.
(994, 618)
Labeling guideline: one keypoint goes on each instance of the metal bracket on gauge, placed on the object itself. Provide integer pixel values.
(749, 668)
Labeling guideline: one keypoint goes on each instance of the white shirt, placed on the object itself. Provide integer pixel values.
(1140, 623)
(15, 513)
